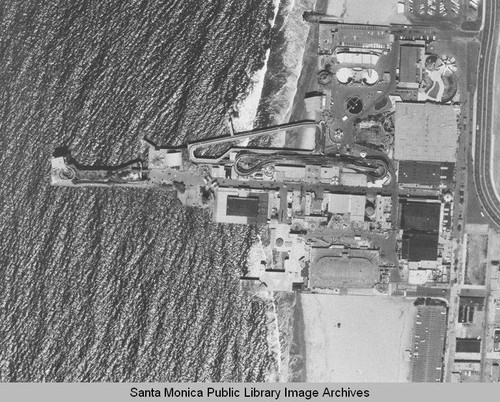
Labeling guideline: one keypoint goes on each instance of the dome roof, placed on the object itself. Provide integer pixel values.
(370, 76)
(344, 75)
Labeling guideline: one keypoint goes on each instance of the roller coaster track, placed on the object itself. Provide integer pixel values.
(247, 163)
(195, 146)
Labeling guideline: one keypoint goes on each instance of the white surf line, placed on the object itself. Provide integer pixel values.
(247, 109)
(286, 115)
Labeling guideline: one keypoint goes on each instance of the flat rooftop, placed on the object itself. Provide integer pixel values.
(425, 132)
(425, 173)
(239, 206)
(347, 204)
(468, 345)
(330, 272)
(420, 246)
(422, 216)
(408, 58)
(233, 207)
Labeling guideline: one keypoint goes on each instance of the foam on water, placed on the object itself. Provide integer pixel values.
(247, 108)
(285, 66)
(263, 107)
(296, 32)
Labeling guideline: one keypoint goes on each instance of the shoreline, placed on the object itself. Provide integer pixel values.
(307, 78)
(244, 112)
(298, 360)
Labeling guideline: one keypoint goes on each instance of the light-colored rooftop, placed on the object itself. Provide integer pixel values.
(347, 204)
(334, 272)
(425, 132)
(161, 158)
(357, 58)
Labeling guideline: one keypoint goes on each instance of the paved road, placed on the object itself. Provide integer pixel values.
(483, 178)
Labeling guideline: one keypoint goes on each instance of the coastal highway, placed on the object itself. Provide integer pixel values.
(483, 178)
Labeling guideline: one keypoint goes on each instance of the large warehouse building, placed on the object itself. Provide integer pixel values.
(425, 132)
(420, 223)
(233, 207)
(428, 174)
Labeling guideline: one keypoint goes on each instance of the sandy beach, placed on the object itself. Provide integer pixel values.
(297, 363)
(368, 346)
(366, 11)
(307, 81)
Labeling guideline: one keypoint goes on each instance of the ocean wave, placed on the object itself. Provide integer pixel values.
(282, 70)
(114, 284)
(285, 65)
(245, 108)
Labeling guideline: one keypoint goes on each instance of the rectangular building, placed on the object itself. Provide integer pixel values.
(351, 179)
(420, 246)
(363, 37)
(422, 216)
(347, 204)
(468, 345)
(233, 207)
(432, 174)
(290, 173)
(425, 132)
(409, 56)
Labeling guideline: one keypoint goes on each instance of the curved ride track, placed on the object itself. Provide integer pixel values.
(247, 163)
(195, 146)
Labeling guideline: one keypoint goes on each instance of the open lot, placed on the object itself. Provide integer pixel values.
(370, 343)
(477, 253)
(367, 11)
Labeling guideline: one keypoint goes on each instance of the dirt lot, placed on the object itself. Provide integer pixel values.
(477, 249)
(368, 346)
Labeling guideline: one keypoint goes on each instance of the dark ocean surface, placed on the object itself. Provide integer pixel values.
(121, 284)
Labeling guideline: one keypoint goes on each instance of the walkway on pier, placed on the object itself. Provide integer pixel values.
(195, 146)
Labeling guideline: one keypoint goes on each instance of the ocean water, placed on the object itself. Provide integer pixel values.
(245, 108)
(274, 87)
(122, 284)
(288, 42)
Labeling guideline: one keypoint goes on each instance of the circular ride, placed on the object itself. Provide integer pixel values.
(354, 105)
(325, 77)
